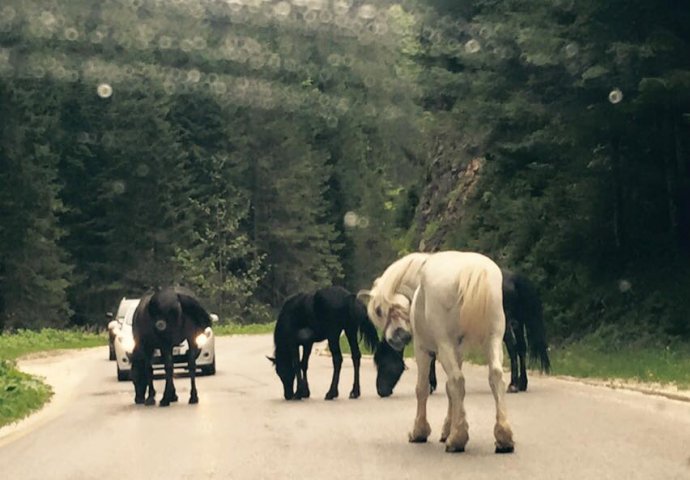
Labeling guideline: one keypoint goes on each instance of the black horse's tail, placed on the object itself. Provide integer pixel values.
(532, 313)
(367, 330)
(192, 308)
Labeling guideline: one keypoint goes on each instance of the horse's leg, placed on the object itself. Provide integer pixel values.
(191, 365)
(151, 399)
(421, 428)
(433, 383)
(522, 355)
(502, 431)
(303, 383)
(351, 334)
(334, 346)
(456, 420)
(509, 340)
(169, 392)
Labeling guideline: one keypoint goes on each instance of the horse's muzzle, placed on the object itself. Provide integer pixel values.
(399, 338)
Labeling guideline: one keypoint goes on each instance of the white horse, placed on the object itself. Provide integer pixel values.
(458, 302)
(391, 297)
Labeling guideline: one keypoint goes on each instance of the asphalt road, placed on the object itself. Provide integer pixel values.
(242, 429)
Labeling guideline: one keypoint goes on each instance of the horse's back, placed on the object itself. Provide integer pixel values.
(463, 291)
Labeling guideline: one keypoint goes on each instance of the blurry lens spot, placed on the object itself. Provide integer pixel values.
(282, 9)
(350, 219)
(624, 286)
(119, 187)
(142, 170)
(367, 12)
(472, 46)
(571, 50)
(104, 90)
(615, 96)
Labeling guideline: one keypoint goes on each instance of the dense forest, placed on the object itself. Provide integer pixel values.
(253, 148)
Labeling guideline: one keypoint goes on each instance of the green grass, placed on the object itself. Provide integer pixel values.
(665, 365)
(594, 358)
(250, 329)
(20, 394)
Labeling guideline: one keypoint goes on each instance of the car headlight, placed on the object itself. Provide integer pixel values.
(202, 339)
(127, 343)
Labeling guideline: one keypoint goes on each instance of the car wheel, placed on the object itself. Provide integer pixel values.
(123, 375)
(210, 369)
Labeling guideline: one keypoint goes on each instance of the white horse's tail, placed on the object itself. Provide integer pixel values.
(476, 294)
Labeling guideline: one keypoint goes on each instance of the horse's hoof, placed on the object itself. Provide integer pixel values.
(413, 439)
(506, 449)
(150, 401)
(512, 388)
(354, 394)
(193, 400)
(452, 449)
(139, 401)
(164, 403)
(331, 395)
(174, 398)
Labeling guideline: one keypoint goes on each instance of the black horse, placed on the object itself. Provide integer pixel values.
(308, 318)
(523, 310)
(162, 320)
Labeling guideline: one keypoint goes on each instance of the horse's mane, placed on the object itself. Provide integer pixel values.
(396, 279)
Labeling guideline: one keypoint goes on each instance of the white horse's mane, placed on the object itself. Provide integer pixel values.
(400, 278)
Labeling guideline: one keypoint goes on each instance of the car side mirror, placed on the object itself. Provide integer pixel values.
(214, 318)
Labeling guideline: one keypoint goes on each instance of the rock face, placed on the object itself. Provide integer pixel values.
(451, 180)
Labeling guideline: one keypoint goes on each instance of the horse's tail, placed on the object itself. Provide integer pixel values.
(367, 329)
(530, 309)
(192, 308)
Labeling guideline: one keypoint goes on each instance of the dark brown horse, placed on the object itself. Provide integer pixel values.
(308, 318)
(163, 320)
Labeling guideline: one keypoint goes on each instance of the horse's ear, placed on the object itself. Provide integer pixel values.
(272, 360)
(364, 296)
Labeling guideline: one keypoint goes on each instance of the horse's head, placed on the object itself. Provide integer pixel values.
(286, 373)
(398, 330)
(390, 313)
(389, 368)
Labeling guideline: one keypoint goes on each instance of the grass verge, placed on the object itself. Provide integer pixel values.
(595, 358)
(20, 393)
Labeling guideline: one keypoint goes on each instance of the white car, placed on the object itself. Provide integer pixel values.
(124, 344)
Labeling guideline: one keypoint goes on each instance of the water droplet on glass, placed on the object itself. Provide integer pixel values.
(624, 286)
(193, 76)
(472, 46)
(615, 96)
(219, 87)
(119, 187)
(7, 14)
(571, 50)
(165, 42)
(282, 9)
(104, 90)
(350, 219)
(362, 222)
(47, 18)
(341, 7)
(332, 122)
(311, 16)
(142, 170)
(367, 12)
